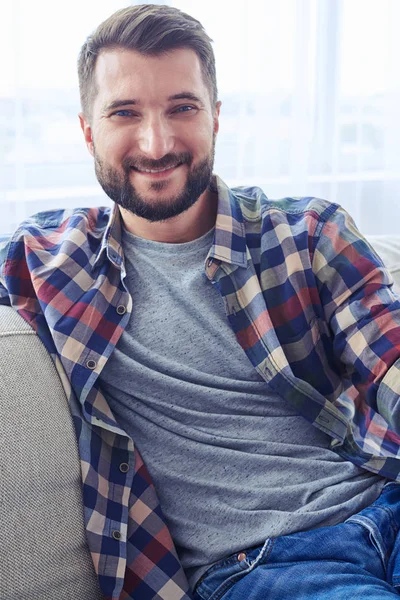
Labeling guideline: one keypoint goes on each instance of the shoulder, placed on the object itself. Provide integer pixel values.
(53, 227)
(52, 233)
(256, 205)
(61, 220)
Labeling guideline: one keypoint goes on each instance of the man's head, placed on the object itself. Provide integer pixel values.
(150, 30)
(149, 100)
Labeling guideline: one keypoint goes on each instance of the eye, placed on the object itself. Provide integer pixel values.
(123, 112)
(184, 109)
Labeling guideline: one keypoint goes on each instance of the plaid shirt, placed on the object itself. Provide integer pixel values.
(309, 301)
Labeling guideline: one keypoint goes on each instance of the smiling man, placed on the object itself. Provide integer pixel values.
(151, 130)
(231, 362)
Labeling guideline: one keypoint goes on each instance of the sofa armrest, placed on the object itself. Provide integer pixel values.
(44, 554)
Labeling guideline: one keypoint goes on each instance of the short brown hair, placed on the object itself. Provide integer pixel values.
(149, 29)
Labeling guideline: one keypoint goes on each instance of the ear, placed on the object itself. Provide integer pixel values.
(87, 132)
(216, 116)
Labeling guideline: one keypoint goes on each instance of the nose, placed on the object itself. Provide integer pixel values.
(156, 138)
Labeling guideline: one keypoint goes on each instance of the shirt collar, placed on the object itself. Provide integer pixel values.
(111, 245)
(229, 243)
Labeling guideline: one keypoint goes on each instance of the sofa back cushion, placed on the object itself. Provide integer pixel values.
(43, 551)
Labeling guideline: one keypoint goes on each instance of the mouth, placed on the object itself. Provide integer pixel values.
(156, 173)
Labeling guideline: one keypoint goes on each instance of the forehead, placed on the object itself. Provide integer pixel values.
(147, 78)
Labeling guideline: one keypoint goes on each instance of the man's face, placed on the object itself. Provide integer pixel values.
(152, 131)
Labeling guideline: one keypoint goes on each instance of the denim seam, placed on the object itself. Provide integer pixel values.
(389, 486)
(224, 587)
(386, 509)
(210, 571)
(217, 566)
(374, 533)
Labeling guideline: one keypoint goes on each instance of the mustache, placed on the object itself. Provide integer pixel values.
(167, 161)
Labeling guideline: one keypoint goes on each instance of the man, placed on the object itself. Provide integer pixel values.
(246, 351)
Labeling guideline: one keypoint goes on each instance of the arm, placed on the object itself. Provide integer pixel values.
(363, 313)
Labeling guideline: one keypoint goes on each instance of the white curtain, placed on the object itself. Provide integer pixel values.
(310, 94)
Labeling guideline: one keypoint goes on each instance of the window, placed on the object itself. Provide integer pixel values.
(310, 92)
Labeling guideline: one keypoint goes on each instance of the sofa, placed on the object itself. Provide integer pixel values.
(43, 551)
(43, 554)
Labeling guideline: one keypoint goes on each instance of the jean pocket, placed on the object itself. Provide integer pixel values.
(380, 523)
(380, 542)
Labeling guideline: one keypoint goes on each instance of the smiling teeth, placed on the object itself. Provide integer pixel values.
(156, 170)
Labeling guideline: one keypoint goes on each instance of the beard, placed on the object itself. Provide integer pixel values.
(120, 189)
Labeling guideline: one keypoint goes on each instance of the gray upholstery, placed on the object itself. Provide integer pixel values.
(43, 551)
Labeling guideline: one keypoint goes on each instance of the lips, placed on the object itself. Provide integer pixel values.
(155, 171)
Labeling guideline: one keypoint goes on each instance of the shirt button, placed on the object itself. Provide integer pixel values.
(124, 467)
(116, 535)
(241, 556)
(121, 309)
(91, 364)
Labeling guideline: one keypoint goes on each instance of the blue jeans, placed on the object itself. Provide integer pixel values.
(354, 560)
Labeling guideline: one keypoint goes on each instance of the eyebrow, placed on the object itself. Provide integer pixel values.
(185, 96)
(131, 101)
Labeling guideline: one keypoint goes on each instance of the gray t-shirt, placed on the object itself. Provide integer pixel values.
(232, 462)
